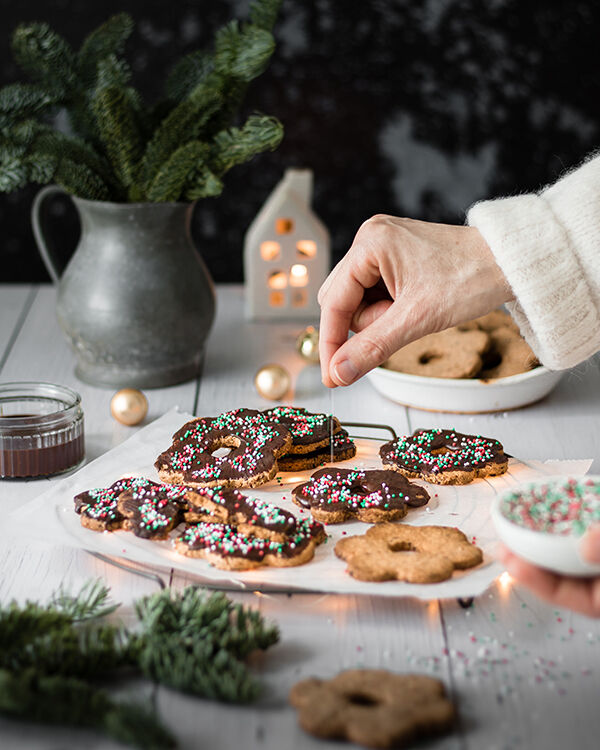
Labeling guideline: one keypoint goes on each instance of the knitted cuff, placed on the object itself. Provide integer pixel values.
(555, 310)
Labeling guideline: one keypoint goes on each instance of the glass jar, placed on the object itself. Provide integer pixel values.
(41, 430)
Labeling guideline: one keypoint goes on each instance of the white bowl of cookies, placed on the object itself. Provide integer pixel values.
(479, 366)
(544, 521)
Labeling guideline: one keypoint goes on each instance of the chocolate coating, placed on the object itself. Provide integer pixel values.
(255, 443)
(348, 492)
(433, 453)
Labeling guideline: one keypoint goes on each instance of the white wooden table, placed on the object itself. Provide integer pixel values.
(523, 674)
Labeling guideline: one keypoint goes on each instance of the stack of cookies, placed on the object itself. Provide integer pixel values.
(487, 347)
(258, 444)
(224, 526)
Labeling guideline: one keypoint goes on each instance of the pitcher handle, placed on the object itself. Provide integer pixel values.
(47, 255)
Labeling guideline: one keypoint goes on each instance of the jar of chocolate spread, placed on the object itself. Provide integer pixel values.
(41, 430)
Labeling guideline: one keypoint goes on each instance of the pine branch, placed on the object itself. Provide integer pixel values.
(119, 131)
(126, 151)
(242, 53)
(192, 642)
(263, 13)
(108, 40)
(184, 123)
(189, 72)
(45, 56)
(73, 651)
(171, 178)
(238, 145)
(81, 181)
(53, 144)
(196, 666)
(202, 184)
(20, 101)
(53, 699)
(20, 624)
(91, 602)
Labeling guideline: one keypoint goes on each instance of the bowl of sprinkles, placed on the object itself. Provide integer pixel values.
(543, 522)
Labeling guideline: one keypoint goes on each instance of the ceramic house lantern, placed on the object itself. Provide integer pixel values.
(286, 253)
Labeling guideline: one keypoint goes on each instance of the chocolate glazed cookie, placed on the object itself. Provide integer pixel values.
(251, 516)
(336, 495)
(309, 430)
(444, 456)
(254, 444)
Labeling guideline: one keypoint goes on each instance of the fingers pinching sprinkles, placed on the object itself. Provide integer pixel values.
(415, 554)
(373, 707)
(443, 456)
(372, 496)
(254, 443)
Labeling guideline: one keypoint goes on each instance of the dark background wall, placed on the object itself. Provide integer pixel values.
(403, 107)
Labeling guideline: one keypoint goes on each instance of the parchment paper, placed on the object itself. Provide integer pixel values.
(52, 516)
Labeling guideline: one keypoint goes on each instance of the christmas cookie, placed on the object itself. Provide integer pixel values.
(509, 355)
(342, 448)
(453, 353)
(336, 495)
(254, 443)
(226, 547)
(373, 707)
(416, 554)
(98, 508)
(151, 510)
(444, 456)
(309, 431)
(251, 516)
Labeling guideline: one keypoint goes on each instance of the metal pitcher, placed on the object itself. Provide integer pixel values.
(136, 300)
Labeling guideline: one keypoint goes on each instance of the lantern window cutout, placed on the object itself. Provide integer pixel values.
(306, 248)
(298, 275)
(299, 298)
(286, 253)
(284, 226)
(270, 250)
(277, 280)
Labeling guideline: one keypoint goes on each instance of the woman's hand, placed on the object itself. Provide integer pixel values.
(400, 280)
(579, 594)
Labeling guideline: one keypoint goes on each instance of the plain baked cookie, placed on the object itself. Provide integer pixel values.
(415, 554)
(442, 456)
(372, 496)
(373, 707)
(453, 353)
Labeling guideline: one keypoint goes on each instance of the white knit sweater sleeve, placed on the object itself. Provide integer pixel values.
(548, 247)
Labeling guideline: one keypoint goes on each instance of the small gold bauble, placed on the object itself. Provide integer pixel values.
(129, 406)
(272, 382)
(307, 344)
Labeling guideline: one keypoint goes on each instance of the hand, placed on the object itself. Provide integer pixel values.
(400, 280)
(579, 594)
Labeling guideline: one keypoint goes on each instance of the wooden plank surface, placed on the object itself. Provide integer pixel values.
(524, 674)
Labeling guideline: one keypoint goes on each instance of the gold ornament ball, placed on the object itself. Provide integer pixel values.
(307, 344)
(272, 382)
(129, 406)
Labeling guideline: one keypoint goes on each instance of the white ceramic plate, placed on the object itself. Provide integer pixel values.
(464, 396)
(556, 552)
